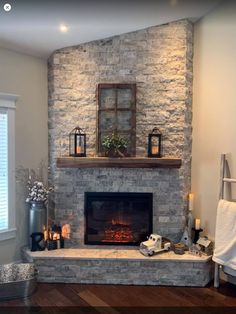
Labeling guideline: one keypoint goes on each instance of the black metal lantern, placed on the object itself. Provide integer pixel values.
(77, 142)
(154, 143)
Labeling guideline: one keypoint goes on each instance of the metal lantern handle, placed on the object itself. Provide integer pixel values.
(79, 129)
(156, 130)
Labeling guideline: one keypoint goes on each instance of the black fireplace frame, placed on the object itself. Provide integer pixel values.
(135, 195)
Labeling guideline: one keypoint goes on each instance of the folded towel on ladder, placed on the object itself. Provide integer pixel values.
(225, 235)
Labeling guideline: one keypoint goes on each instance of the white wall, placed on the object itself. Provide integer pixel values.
(214, 107)
(25, 76)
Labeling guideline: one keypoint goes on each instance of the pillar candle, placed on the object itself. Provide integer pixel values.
(78, 149)
(45, 235)
(197, 223)
(190, 201)
(154, 150)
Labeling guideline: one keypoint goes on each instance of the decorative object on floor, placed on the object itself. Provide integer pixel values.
(154, 143)
(38, 243)
(179, 248)
(154, 244)
(115, 145)
(17, 281)
(205, 245)
(196, 234)
(77, 142)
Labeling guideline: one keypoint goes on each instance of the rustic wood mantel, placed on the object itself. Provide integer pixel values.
(125, 162)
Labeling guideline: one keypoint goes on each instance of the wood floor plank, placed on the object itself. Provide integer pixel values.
(96, 302)
(70, 293)
(109, 298)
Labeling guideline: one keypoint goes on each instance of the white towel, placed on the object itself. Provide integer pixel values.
(225, 235)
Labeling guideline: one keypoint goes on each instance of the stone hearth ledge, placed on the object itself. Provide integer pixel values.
(124, 254)
(120, 266)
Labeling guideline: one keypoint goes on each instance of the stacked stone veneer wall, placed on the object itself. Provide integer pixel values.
(159, 61)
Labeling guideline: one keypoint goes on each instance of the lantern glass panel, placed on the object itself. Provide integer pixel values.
(72, 144)
(155, 145)
(79, 148)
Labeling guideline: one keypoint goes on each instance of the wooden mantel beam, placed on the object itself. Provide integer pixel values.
(125, 162)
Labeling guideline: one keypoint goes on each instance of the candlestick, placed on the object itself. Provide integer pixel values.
(190, 201)
(197, 223)
(196, 234)
(190, 227)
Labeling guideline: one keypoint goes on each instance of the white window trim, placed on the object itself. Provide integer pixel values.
(7, 102)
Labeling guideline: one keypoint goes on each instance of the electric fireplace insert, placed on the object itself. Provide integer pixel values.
(117, 218)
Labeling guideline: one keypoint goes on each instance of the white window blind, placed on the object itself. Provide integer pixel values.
(3, 170)
(7, 166)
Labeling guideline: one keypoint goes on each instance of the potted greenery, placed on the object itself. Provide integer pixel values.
(115, 145)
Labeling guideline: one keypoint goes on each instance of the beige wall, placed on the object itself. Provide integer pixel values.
(214, 107)
(27, 77)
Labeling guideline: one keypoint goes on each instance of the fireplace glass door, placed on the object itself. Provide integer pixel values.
(117, 218)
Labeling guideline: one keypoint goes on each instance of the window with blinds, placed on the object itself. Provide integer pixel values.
(7, 166)
(3, 170)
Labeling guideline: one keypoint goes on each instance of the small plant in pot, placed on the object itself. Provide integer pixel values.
(115, 145)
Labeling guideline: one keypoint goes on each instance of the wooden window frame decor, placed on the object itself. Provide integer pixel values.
(116, 114)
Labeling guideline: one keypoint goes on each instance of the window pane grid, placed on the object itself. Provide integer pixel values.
(116, 113)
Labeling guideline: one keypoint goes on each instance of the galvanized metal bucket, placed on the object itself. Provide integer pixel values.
(37, 217)
(17, 280)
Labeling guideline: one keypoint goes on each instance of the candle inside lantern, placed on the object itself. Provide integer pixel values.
(197, 223)
(154, 150)
(78, 149)
(190, 201)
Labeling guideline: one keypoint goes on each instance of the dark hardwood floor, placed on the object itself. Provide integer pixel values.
(115, 299)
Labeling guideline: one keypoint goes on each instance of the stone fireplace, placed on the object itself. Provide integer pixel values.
(158, 60)
(117, 218)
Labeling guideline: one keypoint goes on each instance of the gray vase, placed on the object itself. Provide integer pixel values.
(37, 217)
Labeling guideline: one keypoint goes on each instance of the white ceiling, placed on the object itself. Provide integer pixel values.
(32, 27)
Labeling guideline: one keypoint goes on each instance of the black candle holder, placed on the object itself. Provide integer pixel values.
(196, 233)
(52, 245)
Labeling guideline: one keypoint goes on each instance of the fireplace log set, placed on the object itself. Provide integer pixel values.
(118, 233)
